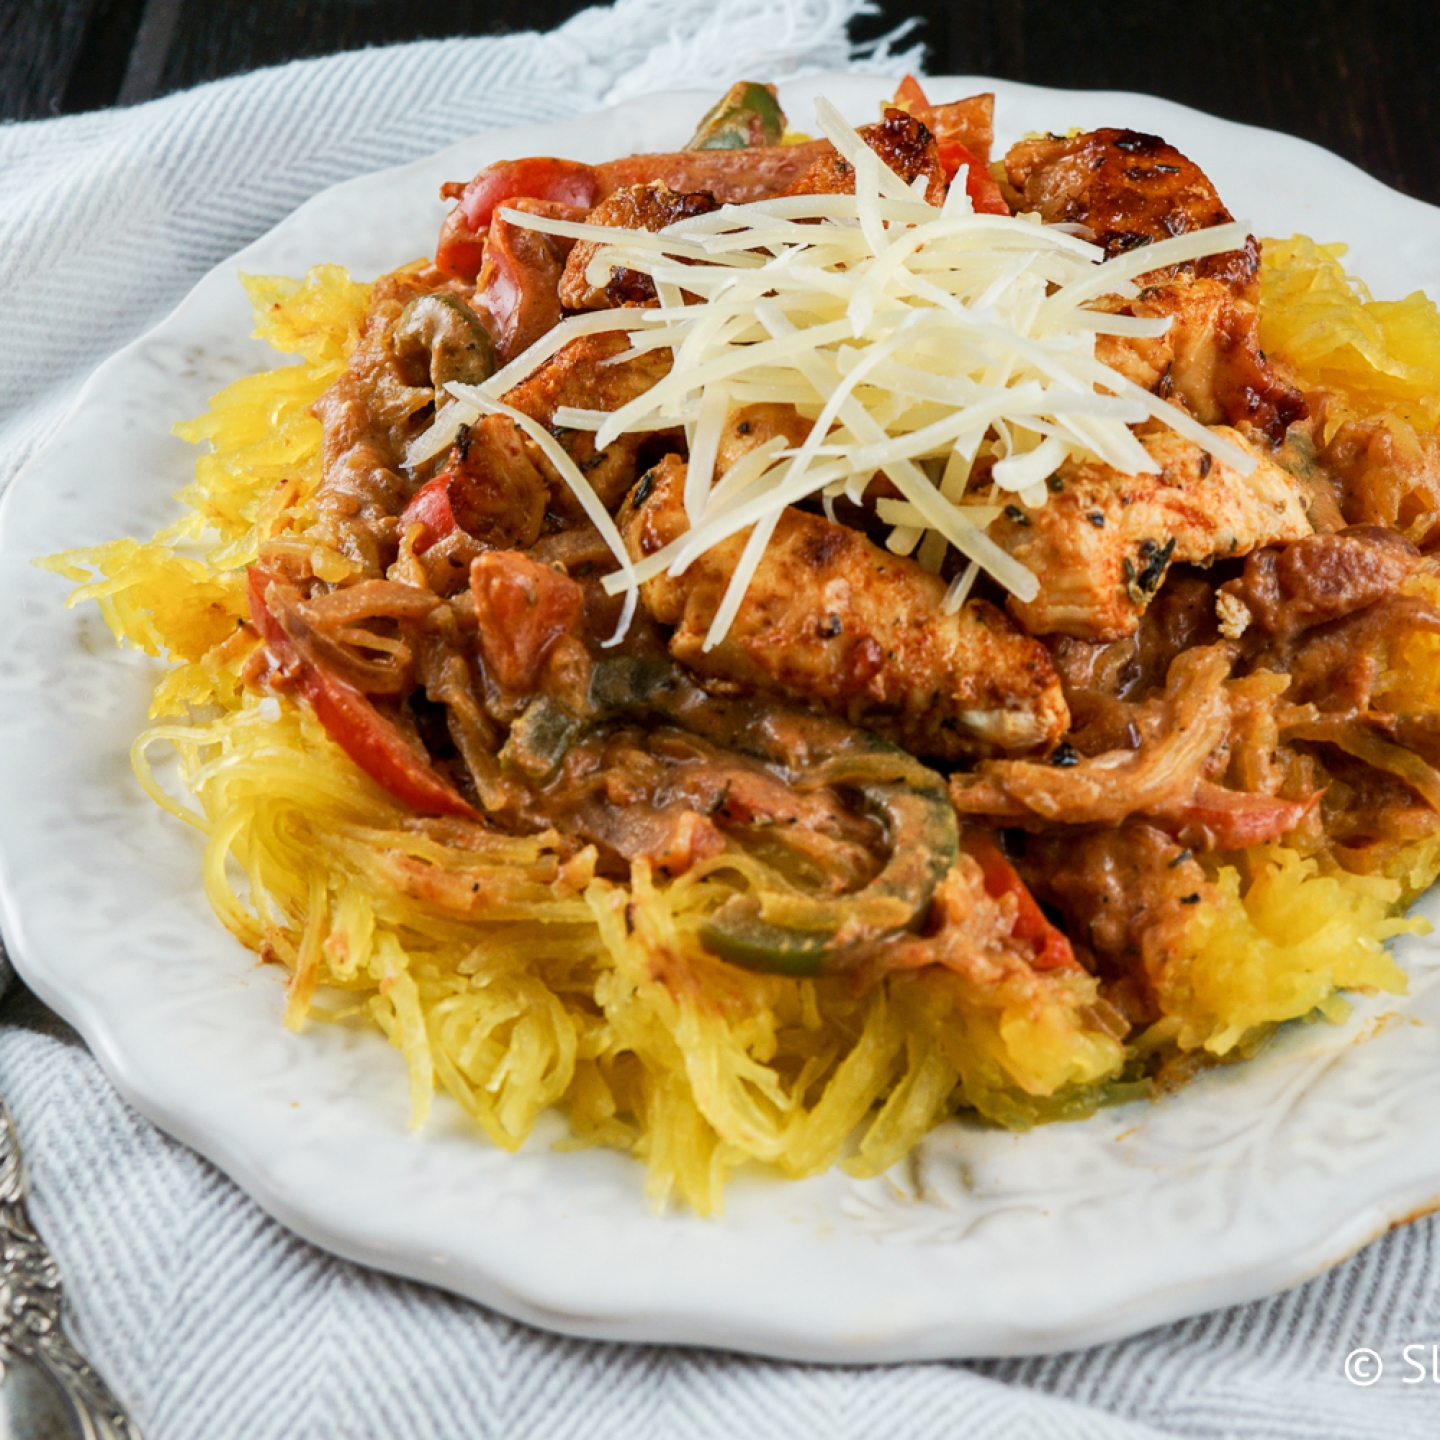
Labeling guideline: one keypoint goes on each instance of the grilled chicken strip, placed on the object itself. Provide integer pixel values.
(637, 207)
(1103, 541)
(751, 426)
(1132, 189)
(831, 619)
(578, 376)
(1209, 358)
(900, 140)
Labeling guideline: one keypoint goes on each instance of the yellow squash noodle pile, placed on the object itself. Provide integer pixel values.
(1379, 355)
(1276, 945)
(516, 980)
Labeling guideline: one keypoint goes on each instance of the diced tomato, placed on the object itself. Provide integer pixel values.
(910, 96)
(980, 184)
(1052, 949)
(352, 722)
(523, 608)
(461, 247)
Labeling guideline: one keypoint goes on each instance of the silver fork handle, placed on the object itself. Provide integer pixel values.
(43, 1377)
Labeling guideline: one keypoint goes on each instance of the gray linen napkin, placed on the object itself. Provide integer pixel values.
(210, 1319)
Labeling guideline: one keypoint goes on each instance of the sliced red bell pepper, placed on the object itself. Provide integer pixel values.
(430, 506)
(523, 608)
(461, 247)
(518, 285)
(1052, 949)
(1222, 819)
(460, 251)
(352, 722)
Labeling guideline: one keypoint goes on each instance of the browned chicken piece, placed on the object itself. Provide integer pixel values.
(831, 619)
(1131, 190)
(900, 140)
(496, 494)
(1320, 578)
(1389, 474)
(490, 496)
(637, 207)
(1209, 358)
(751, 426)
(1103, 541)
(576, 376)
(517, 291)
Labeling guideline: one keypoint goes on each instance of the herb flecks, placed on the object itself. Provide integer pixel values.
(1142, 581)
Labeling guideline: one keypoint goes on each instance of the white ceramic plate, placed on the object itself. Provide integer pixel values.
(984, 1244)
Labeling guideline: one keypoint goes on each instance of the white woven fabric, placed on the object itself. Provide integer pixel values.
(217, 1324)
(212, 1321)
(107, 220)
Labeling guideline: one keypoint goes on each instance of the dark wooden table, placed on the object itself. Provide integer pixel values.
(1361, 77)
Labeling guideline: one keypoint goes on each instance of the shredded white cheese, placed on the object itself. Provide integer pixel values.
(918, 338)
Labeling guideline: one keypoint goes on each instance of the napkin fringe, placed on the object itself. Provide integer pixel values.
(634, 47)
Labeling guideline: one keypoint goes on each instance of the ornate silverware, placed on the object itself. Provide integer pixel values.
(48, 1390)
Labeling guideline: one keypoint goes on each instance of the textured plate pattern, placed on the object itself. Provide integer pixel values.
(983, 1244)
